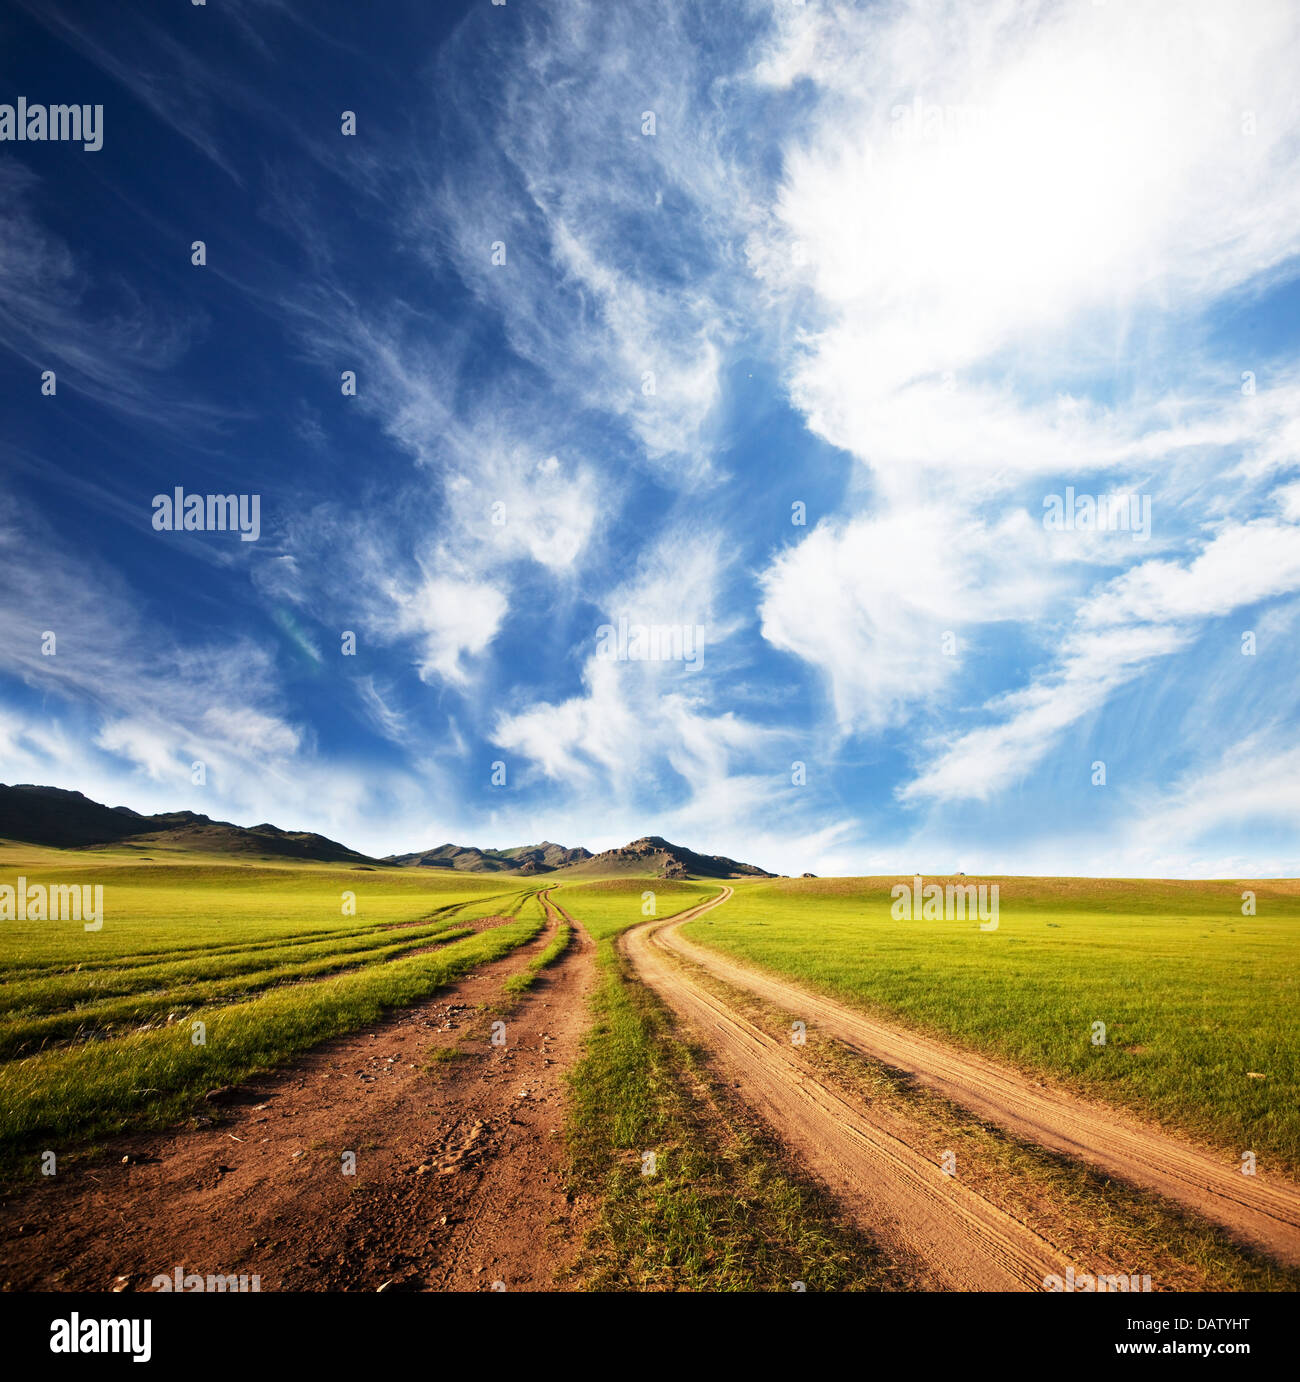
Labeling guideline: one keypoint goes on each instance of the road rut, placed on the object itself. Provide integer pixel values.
(900, 1196)
(1261, 1211)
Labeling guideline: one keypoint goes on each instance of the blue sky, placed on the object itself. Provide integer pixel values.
(628, 290)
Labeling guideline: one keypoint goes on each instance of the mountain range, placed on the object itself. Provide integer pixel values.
(541, 858)
(70, 820)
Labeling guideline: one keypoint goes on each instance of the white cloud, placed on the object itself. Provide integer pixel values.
(1243, 564)
(980, 763)
(638, 723)
(983, 210)
(1254, 785)
(1146, 614)
(509, 504)
(1066, 157)
(869, 602)
(111, 344)
(599, 166)
(978, 179)
(452, 618)
(383, 716)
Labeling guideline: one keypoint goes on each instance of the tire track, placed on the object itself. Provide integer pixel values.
(1260, 1211)
(458, 1177)
(900, 1196)
(511, 1224)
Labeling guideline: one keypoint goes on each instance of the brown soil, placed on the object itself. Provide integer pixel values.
(902, 1196)
(458, 1174)
(898, 1195)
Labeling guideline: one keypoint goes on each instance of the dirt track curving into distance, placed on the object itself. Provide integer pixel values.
(905, 1196)
(458, 1182)
(900, 1196)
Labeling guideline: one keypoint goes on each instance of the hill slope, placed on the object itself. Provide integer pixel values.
(659, 858)
(70, 820)
(526, 859)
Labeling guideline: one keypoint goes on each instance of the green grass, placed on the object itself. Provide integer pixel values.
(719, 1212)
(1067, 1201)
(1193, 994)
(90, 983)
(264, 956)
(521, 983)
(170, 1002)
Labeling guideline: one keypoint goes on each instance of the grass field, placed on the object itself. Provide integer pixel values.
(718, 1211)
(1194, 995)
(210, 969)
(97, 1028)
(521, 983)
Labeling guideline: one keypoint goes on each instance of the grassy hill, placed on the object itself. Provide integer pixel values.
(70, 820)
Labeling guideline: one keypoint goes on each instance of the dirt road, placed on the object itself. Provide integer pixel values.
(870, 1165)
(457, 1182)
(901, 1197)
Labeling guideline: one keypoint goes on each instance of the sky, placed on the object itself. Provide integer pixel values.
(849, 438)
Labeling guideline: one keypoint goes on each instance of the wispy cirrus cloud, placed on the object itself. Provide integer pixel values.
(73, 634)
(641, 720)
(915, 267)
(594, 210)
(1006, 226)
(116, 349)
(1151, 611)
